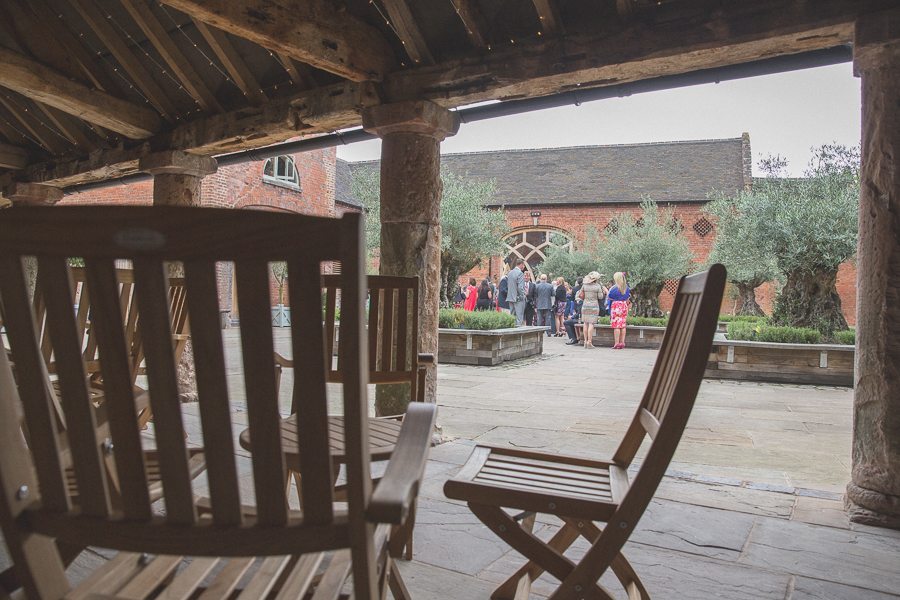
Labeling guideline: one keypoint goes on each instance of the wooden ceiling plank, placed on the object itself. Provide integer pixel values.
(40, 134)
(170, 52)
(70, 127)
(315, 32)
(56, 31)
(474, 22)
(43, 84)
(549, 17)
(124, 55)
(404, 25)
(13, 157)
(237, 69)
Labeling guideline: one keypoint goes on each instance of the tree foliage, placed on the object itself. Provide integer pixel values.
(469, 231)
(650, 250)
(569, 265)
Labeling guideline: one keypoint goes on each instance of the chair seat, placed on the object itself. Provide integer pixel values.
(533, 481)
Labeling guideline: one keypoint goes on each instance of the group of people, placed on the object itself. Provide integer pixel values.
(558, 306)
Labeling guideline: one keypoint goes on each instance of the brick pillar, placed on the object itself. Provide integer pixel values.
(177, 179)
(873, 495)
(31, 194)
(411, 134)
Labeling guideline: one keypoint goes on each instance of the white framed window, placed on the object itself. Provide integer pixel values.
(281, 171)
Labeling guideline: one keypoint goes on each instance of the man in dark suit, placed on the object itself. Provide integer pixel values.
(530, 288)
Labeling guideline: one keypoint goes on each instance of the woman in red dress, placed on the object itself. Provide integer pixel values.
(471, 295)
(620, 298)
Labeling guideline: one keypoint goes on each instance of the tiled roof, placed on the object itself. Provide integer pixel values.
(664, 171)
(342, 179)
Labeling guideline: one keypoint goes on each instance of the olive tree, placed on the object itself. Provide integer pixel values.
(746, 255)
(571, 265)
(650, 250)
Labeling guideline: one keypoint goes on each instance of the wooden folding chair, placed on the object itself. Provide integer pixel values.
(581, 491)
(393, 325)
(266, 549)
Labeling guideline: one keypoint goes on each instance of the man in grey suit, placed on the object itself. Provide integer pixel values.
(543, 303)
(515, 292)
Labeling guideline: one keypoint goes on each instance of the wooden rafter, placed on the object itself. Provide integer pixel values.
(142, 79)
(406, 28)
(43, 84)
(237, 69)
(170, 52)
(13, 157)
(548, 16)
(42, 135)
(299, 78)
(68, 126)
(314, 32)
(473, 21)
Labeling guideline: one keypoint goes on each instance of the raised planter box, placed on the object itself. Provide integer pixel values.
(491, 347)
(636, 336)
(822, 364)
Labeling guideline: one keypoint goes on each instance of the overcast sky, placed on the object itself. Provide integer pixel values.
(785, 114)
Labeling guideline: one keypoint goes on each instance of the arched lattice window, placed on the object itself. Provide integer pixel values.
(281, 170)
(532, 245)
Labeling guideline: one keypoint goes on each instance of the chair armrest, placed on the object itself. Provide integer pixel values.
(395, 493)
(426, 358)
(283, 362)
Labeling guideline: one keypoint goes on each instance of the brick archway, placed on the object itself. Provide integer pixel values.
(532, 243)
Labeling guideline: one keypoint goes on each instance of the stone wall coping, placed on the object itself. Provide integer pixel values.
(507, 331)
(721, 340)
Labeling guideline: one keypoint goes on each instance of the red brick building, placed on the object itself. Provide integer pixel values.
(551, 197)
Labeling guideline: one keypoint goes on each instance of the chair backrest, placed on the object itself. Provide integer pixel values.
(393, 325)
(667, 402)
(197, 238)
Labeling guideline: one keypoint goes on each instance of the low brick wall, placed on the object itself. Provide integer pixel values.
(492, 347)
(818, 364)
(635, 336)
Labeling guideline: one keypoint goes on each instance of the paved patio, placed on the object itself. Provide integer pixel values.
(750, 509)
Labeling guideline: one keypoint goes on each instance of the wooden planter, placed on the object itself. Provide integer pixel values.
(490, 347)
(636, 336)
(822, 364)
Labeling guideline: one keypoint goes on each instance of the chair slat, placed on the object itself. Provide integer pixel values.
(262, 396)
(374, 314)
(403, 337)
(117, 382)
(151, 289)
(330, 311)
(387, 331)
(212, 390)
(81, 319)
(76, 399)
(310, 396)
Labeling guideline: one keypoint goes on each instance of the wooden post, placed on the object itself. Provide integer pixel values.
(177, 179)
(31, 194)
(873, 495)
(411, 134)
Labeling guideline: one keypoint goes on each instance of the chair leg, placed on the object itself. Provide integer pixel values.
(401, 544)
(395, 582)
(620, 566)
(560, 542)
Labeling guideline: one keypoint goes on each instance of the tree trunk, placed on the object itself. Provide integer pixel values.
(747, 296)
(645, 300)
(810, 300)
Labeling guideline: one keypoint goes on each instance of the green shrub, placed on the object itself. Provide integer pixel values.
(640, 321)
(454, 318)
(760, 332)
(742, 318)
(848, 336)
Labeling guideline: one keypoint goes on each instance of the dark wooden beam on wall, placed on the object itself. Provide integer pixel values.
(238, 71)
(314, 32)
(142, 79)
(175, 59)
(474, 22)
(13, 157)
(408, 31)
(43, 84)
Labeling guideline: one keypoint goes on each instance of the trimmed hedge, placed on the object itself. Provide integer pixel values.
(754, 332)
(742, 318)
(640, 321)
(455, 318)
(847, 337)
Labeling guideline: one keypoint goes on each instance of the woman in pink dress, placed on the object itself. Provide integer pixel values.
(620, 298)
(471, 295)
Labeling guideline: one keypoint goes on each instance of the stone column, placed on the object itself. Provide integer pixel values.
(177, 179)
(411, 134)
(32, 194)
(873, 495)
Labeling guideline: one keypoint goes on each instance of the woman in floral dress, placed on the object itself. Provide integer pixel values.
(620, 299)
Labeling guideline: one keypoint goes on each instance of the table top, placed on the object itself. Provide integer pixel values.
(383, 435)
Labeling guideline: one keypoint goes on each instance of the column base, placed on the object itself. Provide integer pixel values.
(869, 507)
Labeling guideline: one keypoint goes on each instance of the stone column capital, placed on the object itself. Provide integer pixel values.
(419, 116)
(33, 194)
(876, 40)
(175, 162)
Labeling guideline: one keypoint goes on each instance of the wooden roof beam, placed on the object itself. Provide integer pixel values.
(38, 133)
(313, 32)
(162, 41)
(473, 21)
(549, 17)
(408, 31)
(238, 71)
(142, 79)
(43, 84)
(13, 157)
